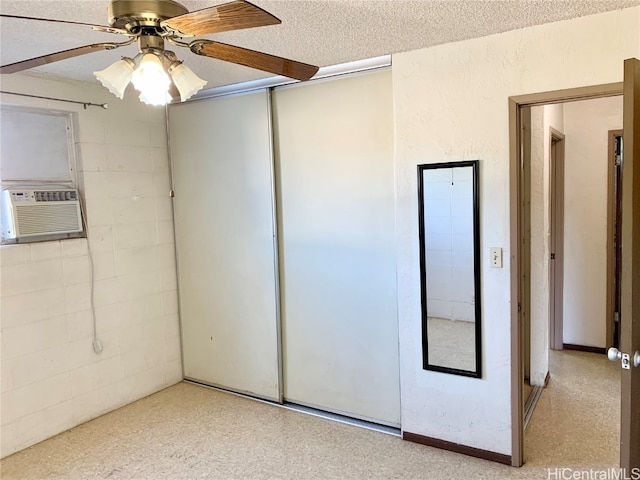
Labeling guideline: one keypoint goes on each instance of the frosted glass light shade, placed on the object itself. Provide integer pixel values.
(151, 80)
(117, 76)
(155, 98)
(187, 82)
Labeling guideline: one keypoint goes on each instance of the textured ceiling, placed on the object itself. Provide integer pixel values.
(320, 32)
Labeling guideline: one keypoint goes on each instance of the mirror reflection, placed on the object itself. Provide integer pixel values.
(449, 261)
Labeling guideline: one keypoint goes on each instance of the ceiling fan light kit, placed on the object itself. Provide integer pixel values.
(187, 82)
(159, 75)
(157, 70)
(117, 76)
(151, 80)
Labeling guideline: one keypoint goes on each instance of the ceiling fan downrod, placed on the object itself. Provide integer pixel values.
(150, 42)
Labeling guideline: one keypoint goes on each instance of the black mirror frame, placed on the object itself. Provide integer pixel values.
(476, 268)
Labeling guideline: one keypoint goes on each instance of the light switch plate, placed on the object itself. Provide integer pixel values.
(495, 257)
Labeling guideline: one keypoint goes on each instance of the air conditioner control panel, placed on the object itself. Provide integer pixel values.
(44, 196)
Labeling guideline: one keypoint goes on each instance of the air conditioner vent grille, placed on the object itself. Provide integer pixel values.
(43, 219)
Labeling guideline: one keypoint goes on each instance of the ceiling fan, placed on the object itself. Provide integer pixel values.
(157, 73)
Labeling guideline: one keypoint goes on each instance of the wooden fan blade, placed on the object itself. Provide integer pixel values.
(101, 28)
(56, 57)
(253, 59)
(234, 15)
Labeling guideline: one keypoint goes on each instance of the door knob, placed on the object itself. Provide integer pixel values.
(614, 354)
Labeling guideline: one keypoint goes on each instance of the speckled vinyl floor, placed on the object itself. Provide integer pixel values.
(188, 431)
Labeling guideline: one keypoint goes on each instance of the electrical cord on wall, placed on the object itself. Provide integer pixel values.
(97, 344)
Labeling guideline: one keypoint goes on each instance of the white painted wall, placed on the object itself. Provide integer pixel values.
(51, 378)
(587, 124)
(538, 300)
(543, 119)
(450, 104)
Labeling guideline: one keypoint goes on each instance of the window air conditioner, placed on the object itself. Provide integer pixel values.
(37, 211)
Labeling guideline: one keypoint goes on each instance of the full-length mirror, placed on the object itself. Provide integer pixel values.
(450, 267)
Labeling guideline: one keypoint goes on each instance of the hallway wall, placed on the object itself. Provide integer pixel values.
(549, 116)
(587, 124)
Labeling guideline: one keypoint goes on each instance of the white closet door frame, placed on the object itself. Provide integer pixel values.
(274, 342)
(222, 167)
(329, 362)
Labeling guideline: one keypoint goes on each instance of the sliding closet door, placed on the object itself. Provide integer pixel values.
(222, 176)
(334, 167)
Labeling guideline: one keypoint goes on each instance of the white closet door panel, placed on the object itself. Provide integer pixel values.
(222, 173)
(334, 154)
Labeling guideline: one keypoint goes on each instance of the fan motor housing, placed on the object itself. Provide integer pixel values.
(129, 14)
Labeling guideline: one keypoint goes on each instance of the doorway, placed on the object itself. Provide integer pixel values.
(586, 123)
(523, 275)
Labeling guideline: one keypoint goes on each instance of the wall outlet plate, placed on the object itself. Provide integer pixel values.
(495, 257)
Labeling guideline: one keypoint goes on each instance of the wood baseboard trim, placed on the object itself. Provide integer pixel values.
(584, 348)
(458, 448)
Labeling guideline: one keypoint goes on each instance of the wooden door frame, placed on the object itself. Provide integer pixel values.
(525, 243)
(516, 103)
(556, 213)
(611, 215)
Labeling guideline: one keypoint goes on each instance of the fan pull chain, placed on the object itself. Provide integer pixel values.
(84, 104)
